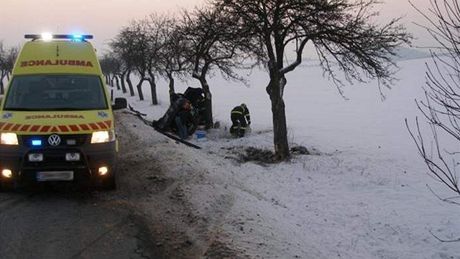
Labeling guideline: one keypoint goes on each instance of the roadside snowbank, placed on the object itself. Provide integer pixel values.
(363, 195)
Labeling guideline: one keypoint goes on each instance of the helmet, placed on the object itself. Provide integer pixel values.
(243, 105)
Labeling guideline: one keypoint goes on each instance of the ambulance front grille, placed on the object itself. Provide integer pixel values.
(66, 140)
(54, 159)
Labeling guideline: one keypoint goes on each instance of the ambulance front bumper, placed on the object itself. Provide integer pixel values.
(58, 163)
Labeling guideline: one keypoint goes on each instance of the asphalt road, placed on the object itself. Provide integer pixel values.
(64, 223)
(148, 216)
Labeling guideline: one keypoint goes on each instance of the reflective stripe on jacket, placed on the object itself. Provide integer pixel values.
(240, 110)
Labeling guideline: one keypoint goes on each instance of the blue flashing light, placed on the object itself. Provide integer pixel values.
(77, 37)
(36, 142)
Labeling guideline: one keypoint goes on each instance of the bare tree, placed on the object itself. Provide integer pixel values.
(3, 70)
(441, 106)
(7, 60)
(340, 31)
(158, 29)
(123, 71)
(142, 42)
(139, 52)
(105, 67)
(123, 47)
(212, 42)
(11, 57)
(112, 69)
(172, 57)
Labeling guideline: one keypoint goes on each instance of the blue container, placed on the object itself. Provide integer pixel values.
(200, 135)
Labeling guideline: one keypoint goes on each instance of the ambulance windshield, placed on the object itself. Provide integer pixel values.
(55, 93)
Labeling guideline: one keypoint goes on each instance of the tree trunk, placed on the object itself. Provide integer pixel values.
(172, 91)
(2, 86)
(275, 90)
(130, 84)
(207, 102)
(122, 81)
(139, 88)
(153, 88)
(117, 81)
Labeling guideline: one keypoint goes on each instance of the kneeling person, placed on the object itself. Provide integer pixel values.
(240, 120)
(184, 120)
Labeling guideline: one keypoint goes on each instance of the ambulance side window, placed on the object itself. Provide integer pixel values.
(14, 97)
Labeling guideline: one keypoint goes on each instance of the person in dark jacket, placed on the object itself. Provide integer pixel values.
(240, 120)
(184, 120)
(197, 97)
(167, 122)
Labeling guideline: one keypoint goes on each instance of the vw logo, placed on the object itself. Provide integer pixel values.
(54, 140)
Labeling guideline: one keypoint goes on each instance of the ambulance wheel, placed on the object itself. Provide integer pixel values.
(7, 186)
(109, 183)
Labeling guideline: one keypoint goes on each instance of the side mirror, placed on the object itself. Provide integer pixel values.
(120, 103)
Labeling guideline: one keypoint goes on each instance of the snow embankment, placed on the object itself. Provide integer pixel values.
(329, 205)
(362, 194)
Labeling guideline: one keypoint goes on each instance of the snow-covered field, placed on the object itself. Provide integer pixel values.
(363, 194)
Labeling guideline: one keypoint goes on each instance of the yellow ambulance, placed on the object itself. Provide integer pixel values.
(56, 120)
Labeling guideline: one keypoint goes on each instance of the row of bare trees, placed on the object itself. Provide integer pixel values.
(190, 46)
(7, 59)
(227, 35)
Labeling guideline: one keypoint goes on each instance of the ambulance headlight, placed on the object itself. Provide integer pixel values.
(9, 139)
(102, 136)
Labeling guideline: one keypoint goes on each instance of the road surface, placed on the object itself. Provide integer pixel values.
(148, 216)
(60, 223)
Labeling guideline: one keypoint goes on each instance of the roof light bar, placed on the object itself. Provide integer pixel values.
(49, 37)
(46, 36)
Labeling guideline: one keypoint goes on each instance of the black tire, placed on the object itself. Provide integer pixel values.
(7, 186)
(109, 184)
(106, 182)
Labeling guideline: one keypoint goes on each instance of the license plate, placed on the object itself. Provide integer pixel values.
(55, 176)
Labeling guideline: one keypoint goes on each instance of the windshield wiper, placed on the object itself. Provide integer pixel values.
(61, 109)
(22, 109)
(70, 109)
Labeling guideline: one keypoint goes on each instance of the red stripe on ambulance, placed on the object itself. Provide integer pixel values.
(25, 128)
(74, 128)
(34, 128)
(94, 126)
(8, 126)
(84, 127)
(45, 128)
(63, 128)
(108, 123)
(101, 125)
(16, 127)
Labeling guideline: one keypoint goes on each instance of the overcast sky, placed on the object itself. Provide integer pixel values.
(103, 18)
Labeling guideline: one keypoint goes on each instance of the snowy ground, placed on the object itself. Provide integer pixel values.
(363, 193)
